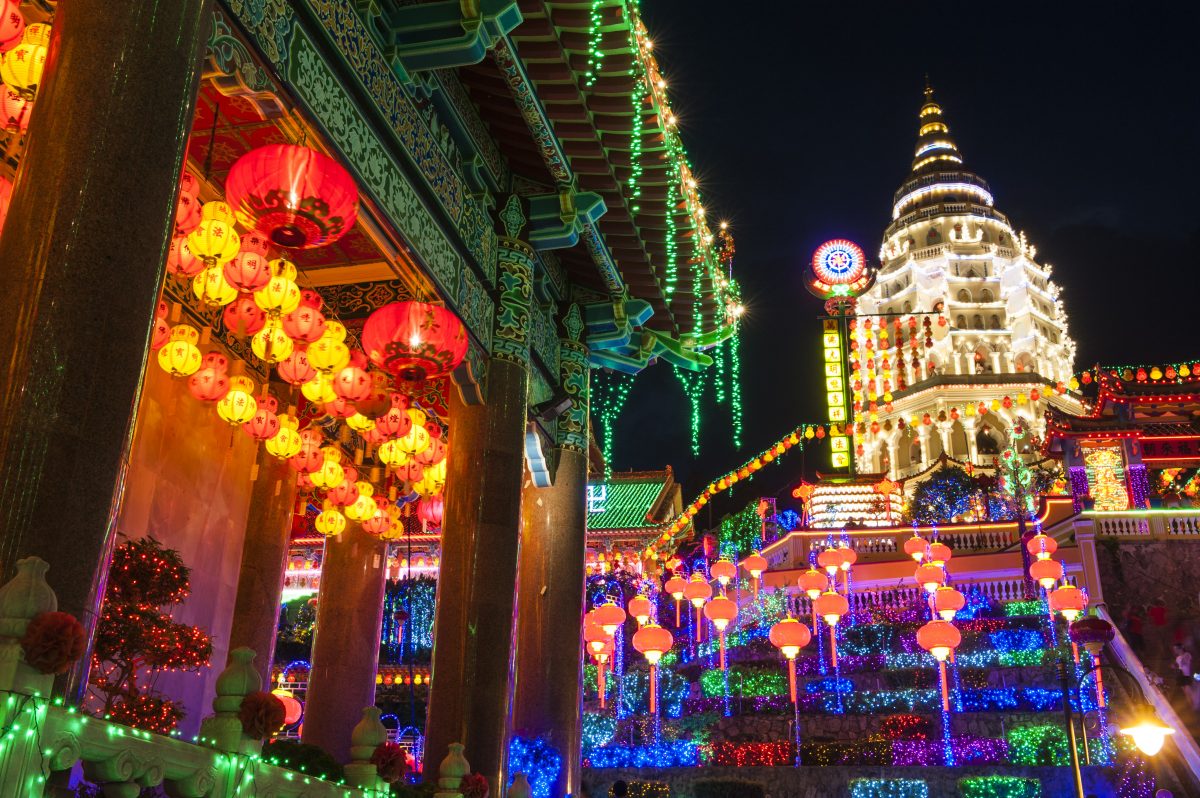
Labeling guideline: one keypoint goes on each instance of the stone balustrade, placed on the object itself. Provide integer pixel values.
(1167, 524)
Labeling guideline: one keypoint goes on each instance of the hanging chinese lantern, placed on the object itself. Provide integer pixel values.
(652, 641)
(180, 357)
(210, 287)
(830, 561)
(698, 592)
(813, 582)
(360, 423)
(280, 295)
(1041, 546)
(346, 492)
(939, 553)
(610, 617)
(832, 607)
(238, 405)
(12, 24)
(721, 611)
(214, 241)
(211, 380)
(789, 636)
(364, 506)
(329, 521)
(1046, 572)
(310, 457)
(247, 271)
(676, 586)
(319, 389)
(330, 473)
(352, 383)
(430, 511)
(298, 197)
(341, 408)
(415, 340)
(755, 564)
(181, 261)
(916, 547)
(161, 333)
(411, 472)
(21, 67)
(306, 323)
(377, 522)
(242, 317)
(600, 647)
(286, 443)
(296, 369)
(723, 571)
(417, 438)
(1069, 601)
(271, 344)
(265, 422)
(329, 353)
(947, 601)
(436, 451)
(930, 576)
(641, 609)
(940, 638)
(391, 454)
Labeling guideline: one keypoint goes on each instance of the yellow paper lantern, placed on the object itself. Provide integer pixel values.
(319, 388)
(271, 344)
(330, 522)
(180, 357)
(238, 405)
(287, 441)
(391, 453)
(417, 438)
(22, 66)
(219, 212)
(215, 242)
(211, 287)
(330, 474)
(280, 295)
(329, 353)
(364, 506)
(360, 423)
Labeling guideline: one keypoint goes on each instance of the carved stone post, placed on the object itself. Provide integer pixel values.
(366, 737)
(223, 730)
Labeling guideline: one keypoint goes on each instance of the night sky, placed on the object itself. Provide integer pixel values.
(801, 118)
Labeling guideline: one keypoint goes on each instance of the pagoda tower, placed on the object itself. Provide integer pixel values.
(987, 326)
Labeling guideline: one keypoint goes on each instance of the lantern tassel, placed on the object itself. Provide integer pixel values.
(945, 688)
(792, 678)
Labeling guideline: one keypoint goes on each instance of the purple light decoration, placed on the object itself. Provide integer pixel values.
(1139, 486)
(619, 669)
(1077, 476)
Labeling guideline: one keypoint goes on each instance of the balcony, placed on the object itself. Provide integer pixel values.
(1157, 524)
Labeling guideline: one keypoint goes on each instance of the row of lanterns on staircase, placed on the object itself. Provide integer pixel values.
(288, 197)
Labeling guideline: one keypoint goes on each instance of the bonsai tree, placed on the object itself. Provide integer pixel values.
(136, 639)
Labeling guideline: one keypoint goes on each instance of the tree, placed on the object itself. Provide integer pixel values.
(135, 639)
(945, 496)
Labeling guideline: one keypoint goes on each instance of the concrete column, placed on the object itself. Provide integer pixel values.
(944, 430)
(264, 561)
(548, 684)
(345, 655)
(892, 464)
(923, 437)
(81, 260)
(969, 427)
(476, 601)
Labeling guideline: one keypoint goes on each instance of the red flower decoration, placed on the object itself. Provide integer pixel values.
(474, 785)
(52, 641)
(390, 761)
(261, 714)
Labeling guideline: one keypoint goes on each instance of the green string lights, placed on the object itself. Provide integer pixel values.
(595, 39)
(609, 393)
(637, 100)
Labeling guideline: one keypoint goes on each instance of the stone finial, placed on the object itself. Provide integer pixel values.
(223, 730)
(367, 735)
(451, 773)
(520, 787)
(24, 596)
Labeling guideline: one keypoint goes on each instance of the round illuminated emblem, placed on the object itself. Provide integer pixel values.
(839, 262)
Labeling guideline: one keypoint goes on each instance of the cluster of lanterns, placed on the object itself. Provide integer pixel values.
(291, 197)
(939, 636)
(23, 51)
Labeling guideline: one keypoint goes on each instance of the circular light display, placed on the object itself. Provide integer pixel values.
(839, 262)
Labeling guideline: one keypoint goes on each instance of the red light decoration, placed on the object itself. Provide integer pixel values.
(211, 382)
(430, 511)
(265, 423)
(415, 340)
(305, 323)
(298, 197)
(243, 317)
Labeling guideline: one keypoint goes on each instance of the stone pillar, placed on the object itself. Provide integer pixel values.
(345, 653)
(969, 428)
(923, 437)
(548, 695)
(264, 561)
(893, 465)
(945, 428)
(81, 260)
(476, 601)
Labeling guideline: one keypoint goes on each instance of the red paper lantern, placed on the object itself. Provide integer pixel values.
(305, 323)
(296, 369)
(298, 197)
(415, 340)
(211, 382)
(248, 271)
(180, 259)
(396, 422)
(12, 25)
(310, 457)
(265, 424)
(353, 383)
(430, 510)
(187, 212)
(243, 317)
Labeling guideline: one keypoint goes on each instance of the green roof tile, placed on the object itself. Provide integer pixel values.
(621, 505)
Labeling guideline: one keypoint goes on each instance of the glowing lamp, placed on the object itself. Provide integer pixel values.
(330, 353)
(947, 601)
(330, 522)
(248, 271)
(789, 636)
(242, 317)
(847, 556)
(436, 451)
(1041, 546)
(415, 340)
(286, 443)
(330, 474)
(416, 440)
(640, 608)
(180, 357)
(271, 344)
(298, 197)
(319, 389)
(831, 606)
(813, 582)
(15, 107)
(1046, 572)
(21, 67)
(364, 506)
(310, 457)
(360, 423)
(1069, 601)
(676, 587)
(12, 24)
(181, 261)
(939, 638)
(214, 241)
(352, 383)
(211, 381)
(1148, 735)
(281, 294)
(722, 611)
(930, 576)
(340, 408)
(293, 710)
(305, 323)
(723, 571)
(698, 591)
(595, 639)
(652, 641)
(238, 405)
(390, 454)
(939, 552)
(210, 287)
(916, 547)
(610, 617)
(345, 493)
(830, 560)
(295, 369)
(395, 423)
(378, 521)
(430, 511)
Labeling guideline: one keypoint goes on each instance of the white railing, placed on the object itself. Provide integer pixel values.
(1165, 524)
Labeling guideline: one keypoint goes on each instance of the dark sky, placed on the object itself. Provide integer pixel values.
(800, 118)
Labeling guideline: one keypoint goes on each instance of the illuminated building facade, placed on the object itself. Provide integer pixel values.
(973, 335)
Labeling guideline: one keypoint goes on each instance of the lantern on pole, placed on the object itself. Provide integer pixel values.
(723, 571)
(940, 638)
(721, 611)
(813, 583)
(830, 561)
(676, 586)
(1046, 572)
(930, 576)
(1069, 601)
(1041, 546)
(947, 601)
(916, 547)
(832, 607)
(640, 608)
(698, 592)
(610, 617)
(789, 636)
(1093, 634)
(939, 553)
(600, 646)
(653, 641)
(755, 564)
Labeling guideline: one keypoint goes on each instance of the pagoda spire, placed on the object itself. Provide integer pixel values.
(936, 149)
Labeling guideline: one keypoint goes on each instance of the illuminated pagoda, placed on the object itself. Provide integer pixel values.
(977, 337)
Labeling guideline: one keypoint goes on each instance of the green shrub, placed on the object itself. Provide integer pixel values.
(999, 787)
(302, 758)
(1037, 745)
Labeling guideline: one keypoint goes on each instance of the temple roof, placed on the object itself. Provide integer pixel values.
(627, 501)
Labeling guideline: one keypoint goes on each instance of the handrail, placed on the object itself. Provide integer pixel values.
(1124, 654)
